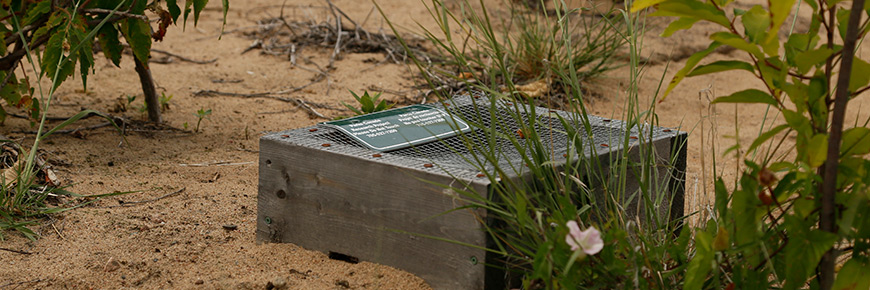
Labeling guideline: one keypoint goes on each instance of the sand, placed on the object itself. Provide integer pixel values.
(180, 242)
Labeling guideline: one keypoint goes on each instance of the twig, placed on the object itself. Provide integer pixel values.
(17, 251)
(284, 21)
(22, 282)
(268, 95)
(67, 131)
(185, 58)
(134, 203)
(48, 118)
(337, 48)
(216, 163)
(118, 13)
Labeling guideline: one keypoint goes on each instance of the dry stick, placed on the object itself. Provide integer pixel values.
(117, 13)
(827, 218)
(185, 58)
(284, 21)
(20, 283)
(337, 48)
(67, 131)
(134, 203)
(17, 251)
(50, 118)
(217, 163)
(300, 103)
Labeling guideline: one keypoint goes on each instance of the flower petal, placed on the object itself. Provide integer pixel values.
(572, 242)
(590, 241)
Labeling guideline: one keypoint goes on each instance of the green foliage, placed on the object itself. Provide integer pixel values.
(67, 32)
(201, 114)
(527, 218)
(776, 209)
(368, 104)
(164, 101)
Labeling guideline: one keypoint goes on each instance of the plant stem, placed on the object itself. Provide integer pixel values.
(827, 220)
(148, 88)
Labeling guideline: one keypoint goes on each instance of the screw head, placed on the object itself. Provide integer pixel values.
(268, 220)
(473, 260)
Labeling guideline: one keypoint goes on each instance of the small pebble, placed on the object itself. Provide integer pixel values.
(230, 227)
(199, 282)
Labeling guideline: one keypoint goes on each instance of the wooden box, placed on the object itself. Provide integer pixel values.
(323, 191)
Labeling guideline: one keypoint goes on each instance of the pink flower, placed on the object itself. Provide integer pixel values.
(588, 240)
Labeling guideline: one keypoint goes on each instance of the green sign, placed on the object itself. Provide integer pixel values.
(400, 128)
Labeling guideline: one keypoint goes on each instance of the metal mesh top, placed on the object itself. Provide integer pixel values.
(491, 123)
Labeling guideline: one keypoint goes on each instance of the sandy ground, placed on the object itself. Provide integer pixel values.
(180, 241)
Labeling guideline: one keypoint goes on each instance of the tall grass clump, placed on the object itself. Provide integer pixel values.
(522, 52)
(545, 225)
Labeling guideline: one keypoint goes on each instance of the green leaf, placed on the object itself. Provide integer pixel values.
(804, 250)
(720, 66)
(37, 11)
(226, 7)
(860, 74)
(756, 21)
(817, 151)
(766, 136)
(138, 35)
(779, 11)
(174, 11)
(691, 62)
(679, 24)
(748, 96)
(702, 263)
(853, 275)
(735, 41)
(53, 59)
(198, 5)
(111, 46)
(641, 4)
(798, 122)
(56, 19)
(692, 9)
(187, 8)
(812, 58)
(80, 40)
(856, 141)
(721, 199)
(842, 22)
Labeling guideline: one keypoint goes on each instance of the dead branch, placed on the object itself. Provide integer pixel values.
(16, 251)
(268, 95)
(135, 203)
(184, 58)
(118, 13)
(216, 163)
(69, 131)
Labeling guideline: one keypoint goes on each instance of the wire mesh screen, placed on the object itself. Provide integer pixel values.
(492, 123)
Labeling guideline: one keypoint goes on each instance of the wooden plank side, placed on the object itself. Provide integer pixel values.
(326, 201)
